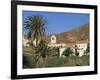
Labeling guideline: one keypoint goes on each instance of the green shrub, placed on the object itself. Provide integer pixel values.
(28, 61)
(67, 52)
(55, 61)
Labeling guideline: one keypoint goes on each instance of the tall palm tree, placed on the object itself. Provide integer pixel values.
(36, 26)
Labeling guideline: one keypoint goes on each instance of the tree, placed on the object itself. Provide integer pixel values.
(67, 52)
(36, 26)
(43, 50)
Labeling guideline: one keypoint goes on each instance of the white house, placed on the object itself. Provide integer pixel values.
(25, 41)
(81, 47)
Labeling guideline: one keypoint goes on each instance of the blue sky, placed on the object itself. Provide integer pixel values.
(60, 22)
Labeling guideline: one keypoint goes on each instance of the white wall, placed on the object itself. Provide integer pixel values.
(5, 30)
(82, 48)
(53, 39)
(61, 51)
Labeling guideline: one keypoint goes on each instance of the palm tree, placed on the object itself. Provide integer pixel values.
(43, 50)
(36, 26)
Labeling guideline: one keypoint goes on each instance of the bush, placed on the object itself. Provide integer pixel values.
(55, 61)
(54, 51)
(28, 61)
(67, 52)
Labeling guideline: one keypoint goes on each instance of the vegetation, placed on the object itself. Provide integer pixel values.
(55, 61)
(36, 26)
(55, 51)
(43, 50)
(67, 52)
(47, 59)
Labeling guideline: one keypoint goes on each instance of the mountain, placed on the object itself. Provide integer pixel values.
(78, 34)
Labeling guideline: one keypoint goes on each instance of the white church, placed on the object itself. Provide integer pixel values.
(54, 43)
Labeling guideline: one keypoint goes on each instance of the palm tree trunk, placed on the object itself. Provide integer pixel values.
(44, 62)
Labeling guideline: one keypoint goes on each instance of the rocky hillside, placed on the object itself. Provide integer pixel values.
(77, 34)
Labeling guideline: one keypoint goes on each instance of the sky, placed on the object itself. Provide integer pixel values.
(58, 22)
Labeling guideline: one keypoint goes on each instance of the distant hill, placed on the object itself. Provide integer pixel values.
(78, 34)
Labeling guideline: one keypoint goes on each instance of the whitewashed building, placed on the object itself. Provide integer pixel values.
(81, 45)
(54, 43)
(25, 42)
